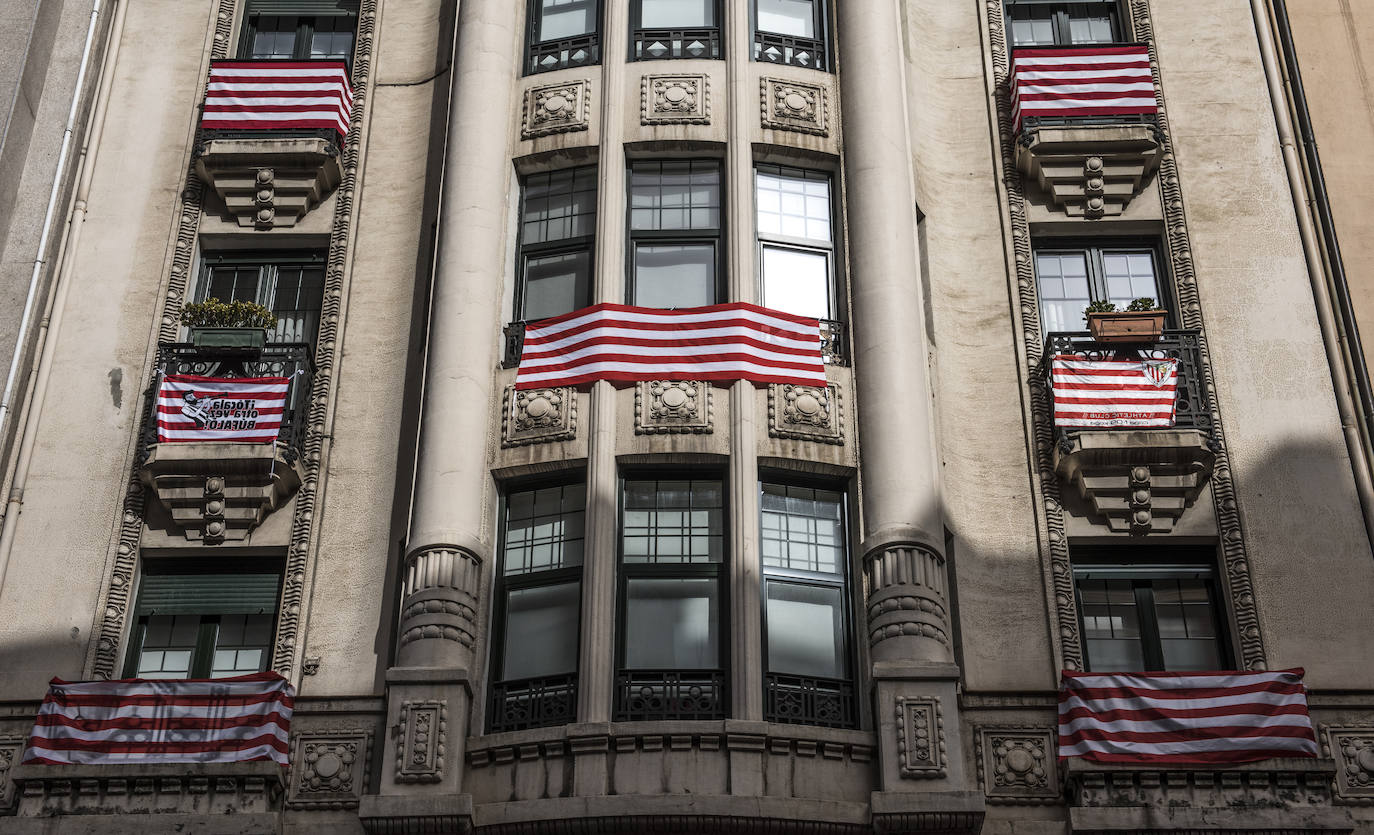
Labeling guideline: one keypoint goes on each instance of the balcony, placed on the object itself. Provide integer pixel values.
(1138, 479)
(218, 490)
(579, 51)
(801, 700)
(533, 703)
(1090, 151)
(808, 53)
(665, 44)
(271, 135)
(655, 695)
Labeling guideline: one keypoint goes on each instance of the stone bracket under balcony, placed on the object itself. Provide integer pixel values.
(1278, 795)
(1139, 481)
(1090, 171)
(270, 182)
(219, 492)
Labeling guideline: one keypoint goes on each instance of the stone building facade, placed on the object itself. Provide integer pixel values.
(673, 606)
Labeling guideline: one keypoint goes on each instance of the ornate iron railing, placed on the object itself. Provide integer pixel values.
(669, 694)
(809, 701)
(533, 703)
(581, 51)
(663, 44)
(786, 49)
(278, 359)
(1192, 410)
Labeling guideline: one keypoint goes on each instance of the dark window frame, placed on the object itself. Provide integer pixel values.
(715, 35)
(271, 261)
(831, 251)
(1095, 248)
(563, 246)
(820, 45)
(673, 237)
(306, 26)
(537, 49)
(1063, 13)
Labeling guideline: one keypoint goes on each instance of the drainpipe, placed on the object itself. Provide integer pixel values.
(1316, 273)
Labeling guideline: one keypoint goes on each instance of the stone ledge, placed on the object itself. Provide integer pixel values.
(1139, 480)
(190, 789)
(270, 182)
(1090, 171)
(635, 814)
(416, 814)
(945, 812)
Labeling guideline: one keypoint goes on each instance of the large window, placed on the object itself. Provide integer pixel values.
(662, 29)
(291, 285)
(790, 32)
(796, 246)
(806, 607)
(563, 33)
(1139, 615)
(671, 628)
(1056, 23)
(199, 619)
(675, 233)
(1070, 277)
(299, 30)
(538, 601)
(557, 230)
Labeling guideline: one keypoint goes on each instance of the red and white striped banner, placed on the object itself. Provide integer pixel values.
(180, 721)
(722, 343)
(1113, 392)
(1184, 718)
(239, 409)
(1082, 81)
(278, 95)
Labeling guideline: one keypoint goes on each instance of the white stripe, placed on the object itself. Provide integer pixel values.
(615, 316)
(1188, 682)
(155, 736)
(1034, 60)
(332, 116)
(1171, 723)
(806, 340)
(268, 68)
(620, 350)
(1283, 743)
(1070, 103)
(1065, 90)
(1143, 73)
(259, 101)
(102, 713)
(102, 758)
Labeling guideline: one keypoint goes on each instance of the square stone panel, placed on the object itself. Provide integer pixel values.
(1352, 747)
(538, 416)
(11, 751)
(794, 106)
(673, 406)
(675, 99)
(1018, 765)
(806, 413)
(556, 108)
(422, 742)
(329, 769)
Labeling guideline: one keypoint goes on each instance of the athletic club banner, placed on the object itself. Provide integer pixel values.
(240, 409)
(1113, 392)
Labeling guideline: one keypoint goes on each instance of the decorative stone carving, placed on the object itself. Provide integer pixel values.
(794, 106)
(538, 416)
(669, 406)
(1018, 765)
(439, 596)
(11, 749)
(420, 745)
(920, 738)
(556, 108)
(270, 182)
(806, 413)
(1090, 171)
(1352, 746)
(220, 492)
(1138, 481)
(310, 665)
(329, 769)
(675, 99)
(906, 593)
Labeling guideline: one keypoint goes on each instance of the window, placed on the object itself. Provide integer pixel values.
(661, 29)
(790, 32)
(1139, 616)
(198, 619)
(796, 250)
(1053, 23)
(557, 228)
(538, 605)
(299, 30)
(291, 285)
(806, 607)
(1071, 277)
(675, 233)
(671, 630)
(563, 33)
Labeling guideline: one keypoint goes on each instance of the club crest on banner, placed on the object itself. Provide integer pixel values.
(1158, 372)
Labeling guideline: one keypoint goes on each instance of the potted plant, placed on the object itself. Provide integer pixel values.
(1141, 321)
(236, 328)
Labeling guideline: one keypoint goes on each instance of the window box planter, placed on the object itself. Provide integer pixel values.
(1127, 326)
(225, 342)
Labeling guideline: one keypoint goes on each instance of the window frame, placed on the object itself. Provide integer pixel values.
(563, 246)
(1094, 249)
(534, 16)
(1063, 15)
(268, 263)
(676, 237)
(637, 30)
(820, 18)
(831, 249)
(305, 29)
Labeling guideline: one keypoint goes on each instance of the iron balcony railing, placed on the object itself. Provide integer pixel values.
(579, 51)
(292, 360)
(803, 700)
(533, 703)
(669, 694)
(1192, 410)
(794, 51)
(663, 44)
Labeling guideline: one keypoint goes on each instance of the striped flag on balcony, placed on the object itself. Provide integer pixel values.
(722, 343)
(1082, 81)
(1184, 718)
(181, 721)
(239, 409)
(278, 95)
(1113, 392)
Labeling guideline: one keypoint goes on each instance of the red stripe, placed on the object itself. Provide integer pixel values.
(1148, 714)
(1287, 688)
(733, 356)
(688, 311)
(1058, 51)
(1295, 672)
(617, 342)
(1208, 734)
(67, 699)
(1095, 110)
(625, 377)
(126, 747)
(192, 723)
(1067, 95)
(1106, 69)
(270, 108)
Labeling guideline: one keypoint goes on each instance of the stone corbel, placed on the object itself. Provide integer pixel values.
(1138, 482)
(270, 182)
(220, 492)
(1090, 171)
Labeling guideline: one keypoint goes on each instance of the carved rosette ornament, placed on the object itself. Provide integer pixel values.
(329, 769)
(675, 100)
(791, 105)
(556, 108)
(1018, 765)
(420, 745)
(673, 406)
(1352, 747)
(538, 416)
(920, 738)
(806, 413)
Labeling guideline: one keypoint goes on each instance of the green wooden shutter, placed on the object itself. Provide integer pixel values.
(208, 594)
(302, 8)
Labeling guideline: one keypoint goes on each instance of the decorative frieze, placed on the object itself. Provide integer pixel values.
(675, 99)
(1018, 765)
(673, 406)
(794, 106)
(556, 108)
(329, 769)
(1352, 747)
(806, 413)
(538, 416)
(420, 745)
(920, 738)
(247, 792)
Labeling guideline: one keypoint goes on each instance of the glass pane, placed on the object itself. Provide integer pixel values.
(1129, 276)
(169, 643)
(241, 645)
(675, 275)
(675, 194)
(1091, 27)
(556, 284)
(1191, 654)
(1032, 26)
(802, 529)
(333, 36)
(671, 624)
(541, 631)
(1186, 624)
(673, 522)
(793, 202)
(560, 19)
(274, 36)
(558, 205)
(1106, 655)
(299, 294)
(1062, 278)
(544, 529)
(805, 630)
(677, 14)
(231, 283)
(796, 281)
(787, 17)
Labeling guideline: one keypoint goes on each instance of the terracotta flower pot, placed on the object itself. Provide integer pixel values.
(1127, 326)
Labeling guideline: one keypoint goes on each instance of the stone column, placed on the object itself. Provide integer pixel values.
(910, 638)
(447, 554)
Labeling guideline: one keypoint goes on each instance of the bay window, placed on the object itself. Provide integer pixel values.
(795, 241)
